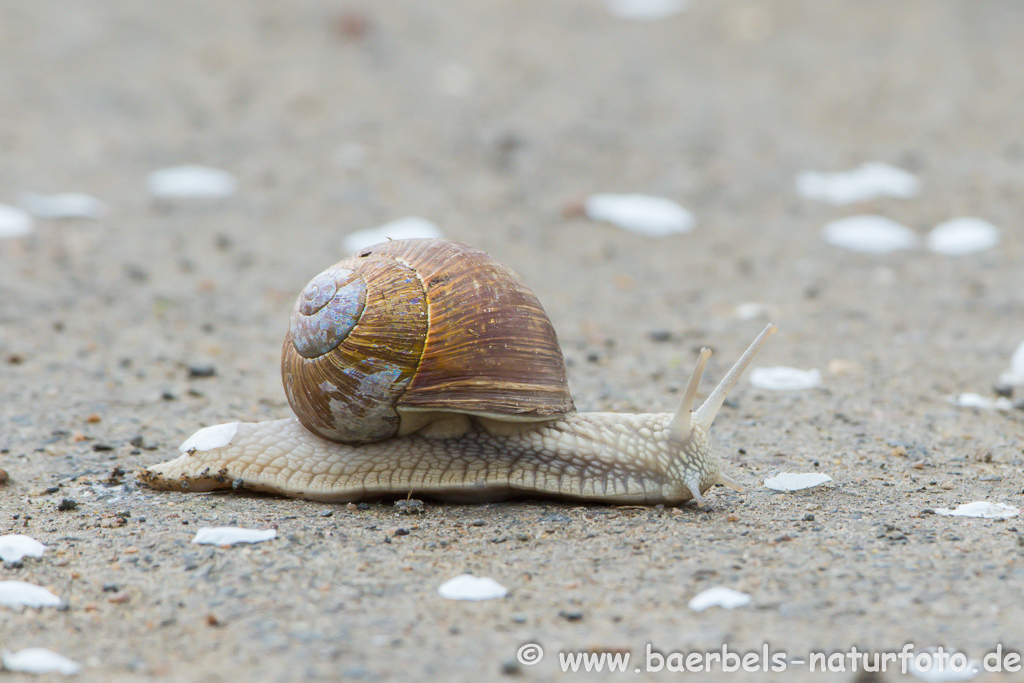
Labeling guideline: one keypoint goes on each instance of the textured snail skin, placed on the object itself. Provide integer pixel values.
(607, 457)
(611, 457)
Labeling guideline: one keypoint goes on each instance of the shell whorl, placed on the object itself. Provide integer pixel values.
(326, 311)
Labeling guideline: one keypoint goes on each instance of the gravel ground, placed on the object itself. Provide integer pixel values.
(495, 120)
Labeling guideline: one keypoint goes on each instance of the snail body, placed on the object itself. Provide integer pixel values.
(425, 367)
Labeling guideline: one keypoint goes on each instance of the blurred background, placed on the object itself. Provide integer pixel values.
(150, 312)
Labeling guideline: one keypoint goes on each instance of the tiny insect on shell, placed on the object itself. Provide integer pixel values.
(478, 450)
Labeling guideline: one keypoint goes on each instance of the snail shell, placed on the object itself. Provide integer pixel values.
(410, 332)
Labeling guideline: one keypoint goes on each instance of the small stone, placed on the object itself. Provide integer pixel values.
(66, 504)
(111, 588)
(409, 506)
(809, 517)
(137, 441)
(200, 370)
(1003, 389)
(93, 419)
(191, 181)
(4, 477)
(555, 517)
(116, 477)
(102, 447)
(478, 522)
(351, 506)
(511, 667)
(571, 615)
(659, 336)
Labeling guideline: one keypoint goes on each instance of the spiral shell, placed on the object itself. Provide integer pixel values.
(419, 327)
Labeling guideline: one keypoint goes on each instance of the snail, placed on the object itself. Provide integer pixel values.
(426, 367)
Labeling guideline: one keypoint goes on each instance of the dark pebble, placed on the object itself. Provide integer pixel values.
(196, 371)
(66, 504)
(478, 522)
(1003, 389)
(809, 517)
(111, 588)
(511, 667)
(102, 447)
(401, 531)
(660, 336)
(327, 513)
(556, 517)
(137, 441)
(409, 506)
(51, 489)
(573, 615)
(363, 506)
(168, 396)
(135, 273)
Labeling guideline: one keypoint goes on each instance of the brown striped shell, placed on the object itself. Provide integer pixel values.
(413, 328)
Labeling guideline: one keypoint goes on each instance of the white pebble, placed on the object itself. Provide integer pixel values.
(719, 596)
(191, 181)
(868, 233)
(13, 547)
(21, 594)
(645, 10)
(469, 587)
(230, 535)
(748, 310)
(972, 400)
(1015, 375)
(68, 205)
(980, 508)
(14, 222)
(403, 229)
(639, 213)
(208, 438)
(785, 379)
(791, 481)
(869, 180)
(39, 660)
(962, 236)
